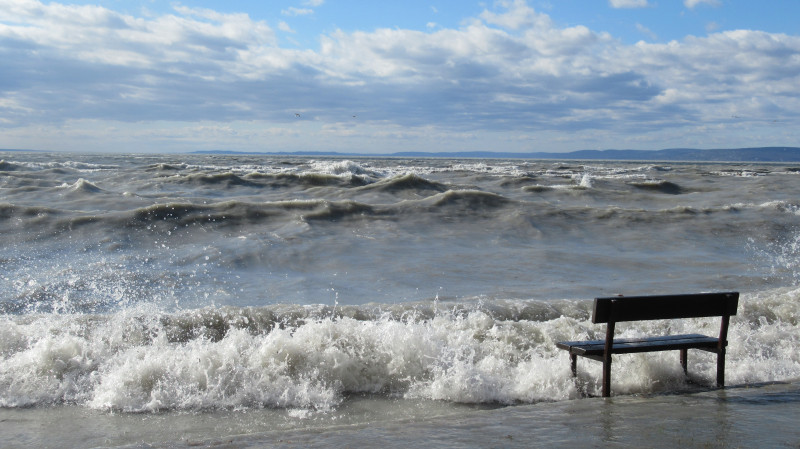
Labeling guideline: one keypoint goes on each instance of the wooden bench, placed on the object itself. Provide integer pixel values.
(638, 308)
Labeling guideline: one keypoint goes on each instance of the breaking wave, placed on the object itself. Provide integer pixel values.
(312, 357)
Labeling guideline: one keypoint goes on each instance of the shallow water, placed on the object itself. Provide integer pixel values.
(759, 415)
(267, 294)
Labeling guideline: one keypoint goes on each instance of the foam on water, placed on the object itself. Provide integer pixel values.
(140, 359)
(345, 168)
(81, 185)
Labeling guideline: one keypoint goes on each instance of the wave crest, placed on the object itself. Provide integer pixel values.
(8, 166)
(667, 187)
(313, 356)
(469, 200)
(407, 183)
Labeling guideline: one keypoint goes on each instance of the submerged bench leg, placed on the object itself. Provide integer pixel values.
(607, 357)
(683, 361)
(721, 368)
(607, 376)
(573, 364)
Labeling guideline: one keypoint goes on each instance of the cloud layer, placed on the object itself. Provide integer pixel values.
(509, 72)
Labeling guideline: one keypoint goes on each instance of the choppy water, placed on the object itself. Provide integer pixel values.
(235, 284)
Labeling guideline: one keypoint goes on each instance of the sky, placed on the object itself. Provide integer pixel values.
(144, 76)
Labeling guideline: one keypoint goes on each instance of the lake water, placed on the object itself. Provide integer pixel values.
(195, 299)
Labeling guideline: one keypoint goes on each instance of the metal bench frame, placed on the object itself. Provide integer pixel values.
(616, 309)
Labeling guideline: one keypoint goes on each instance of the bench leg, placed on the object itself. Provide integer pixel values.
(721, 368)
(683, 361)
(573, 364)
(607, 377)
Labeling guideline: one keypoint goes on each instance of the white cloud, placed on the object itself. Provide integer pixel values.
(292, 11)
(517, 15)
(510, 71)
(283, 26)
(628, 3)
(691, 4)
(646, 31)
(314, 3)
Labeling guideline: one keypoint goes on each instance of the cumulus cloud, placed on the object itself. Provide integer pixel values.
(509, 70)
(517, 14)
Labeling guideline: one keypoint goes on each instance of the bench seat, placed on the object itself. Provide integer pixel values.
(596, 348)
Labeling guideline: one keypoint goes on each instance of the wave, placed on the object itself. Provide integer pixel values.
(521, 181)
(312, 357)
(468, 201)
(235, 213)
(338, 210)
(781, 206)
(58, 166)
(741, 173)
(215, 180)
(346, 168)
(222, 213)
(306, 180)
(29, 215)
(269, 180)
(82, 186)
(8, 166)
(192, 217)
(238, 213)
(89, 166)
(661, 168)
(165, 167)
(408, 182)
(185, 217)
(555, 188)
(659, 186)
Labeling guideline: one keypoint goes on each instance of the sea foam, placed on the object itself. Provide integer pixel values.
(141, 359)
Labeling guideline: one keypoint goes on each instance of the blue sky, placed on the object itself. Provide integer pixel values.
(376, 77)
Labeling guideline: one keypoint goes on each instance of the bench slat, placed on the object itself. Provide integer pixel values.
(644, 344)
(638, 308)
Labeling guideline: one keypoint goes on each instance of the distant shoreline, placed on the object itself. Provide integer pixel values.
(761, 154)
(758, 154)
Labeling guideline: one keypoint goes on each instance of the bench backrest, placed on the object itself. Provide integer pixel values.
(636, 308)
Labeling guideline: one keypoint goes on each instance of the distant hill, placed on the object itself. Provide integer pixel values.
(762, 154)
